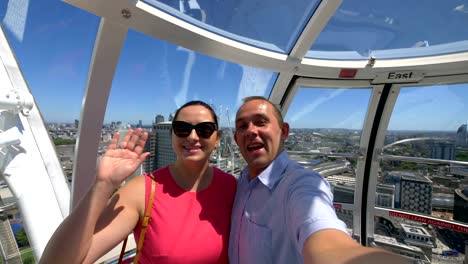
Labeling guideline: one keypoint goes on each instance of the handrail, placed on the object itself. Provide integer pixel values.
(328, 154)
(424, 160)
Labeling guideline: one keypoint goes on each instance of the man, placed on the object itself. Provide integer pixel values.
(283, 213)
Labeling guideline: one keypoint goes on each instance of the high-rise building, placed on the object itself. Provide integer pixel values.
(164, 154)
(416, 194)
(462, 136)
(413, 192)
(77, 123)
(159, 144)
(460, 207)
(158, 119)
(385, 195)
(150, 146)
(443, 150)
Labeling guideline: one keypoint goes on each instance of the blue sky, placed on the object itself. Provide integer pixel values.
(53, 43)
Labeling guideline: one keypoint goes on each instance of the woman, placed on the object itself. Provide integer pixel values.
(190, 216)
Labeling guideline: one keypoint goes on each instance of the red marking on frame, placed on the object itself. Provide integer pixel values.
(348, 73)
(337, 206)
(430, 221)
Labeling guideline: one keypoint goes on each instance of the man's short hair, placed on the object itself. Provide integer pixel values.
(276, 109)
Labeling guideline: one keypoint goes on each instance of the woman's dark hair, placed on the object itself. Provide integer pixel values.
(207, 106)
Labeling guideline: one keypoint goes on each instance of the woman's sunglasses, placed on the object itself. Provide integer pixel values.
(183, 129)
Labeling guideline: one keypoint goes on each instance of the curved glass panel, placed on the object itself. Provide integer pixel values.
(255, 23)
(54, 61)
(393, 29)
(333, 118)
(430, 122)
(426, 131)
(154, 78)
(325, 131)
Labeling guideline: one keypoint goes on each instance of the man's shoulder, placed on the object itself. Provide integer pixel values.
(296, 171)
(297, 176)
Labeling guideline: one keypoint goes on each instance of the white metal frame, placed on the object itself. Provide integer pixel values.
(319, 20)
(108, 45)
(31, 168)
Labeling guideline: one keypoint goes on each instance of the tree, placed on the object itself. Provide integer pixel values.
(462, 156)
(62, 141)
(22, 238)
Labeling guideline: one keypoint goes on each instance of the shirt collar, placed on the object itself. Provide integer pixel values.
(273, 173)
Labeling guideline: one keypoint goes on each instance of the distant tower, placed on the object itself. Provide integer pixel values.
(462, 136)
(442, 150)
(171, 117)
(140, 123)
(77, 123)
(158, 119)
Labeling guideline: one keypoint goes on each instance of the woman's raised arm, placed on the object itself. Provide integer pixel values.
(98, 224)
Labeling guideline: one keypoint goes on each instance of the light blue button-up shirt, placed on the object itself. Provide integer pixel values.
(276, 212)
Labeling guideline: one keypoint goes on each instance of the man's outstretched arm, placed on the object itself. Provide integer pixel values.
(334, 246)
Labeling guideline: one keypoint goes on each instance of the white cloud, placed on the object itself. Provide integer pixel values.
(254, 82)
(181, 96)
(221, 71)
(316, 103)
(354, 120)
(461, 8)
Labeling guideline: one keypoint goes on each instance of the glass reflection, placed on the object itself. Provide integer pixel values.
(396, 29)
(251, 22)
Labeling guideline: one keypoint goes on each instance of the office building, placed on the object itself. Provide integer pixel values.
(416, 194)
(413, 192)
(443, 150)
(150, 146)
(164, 154)
(385, 196)
(418, 236)
(158, 119)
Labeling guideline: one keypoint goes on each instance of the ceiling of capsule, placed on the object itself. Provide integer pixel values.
(358, 29)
